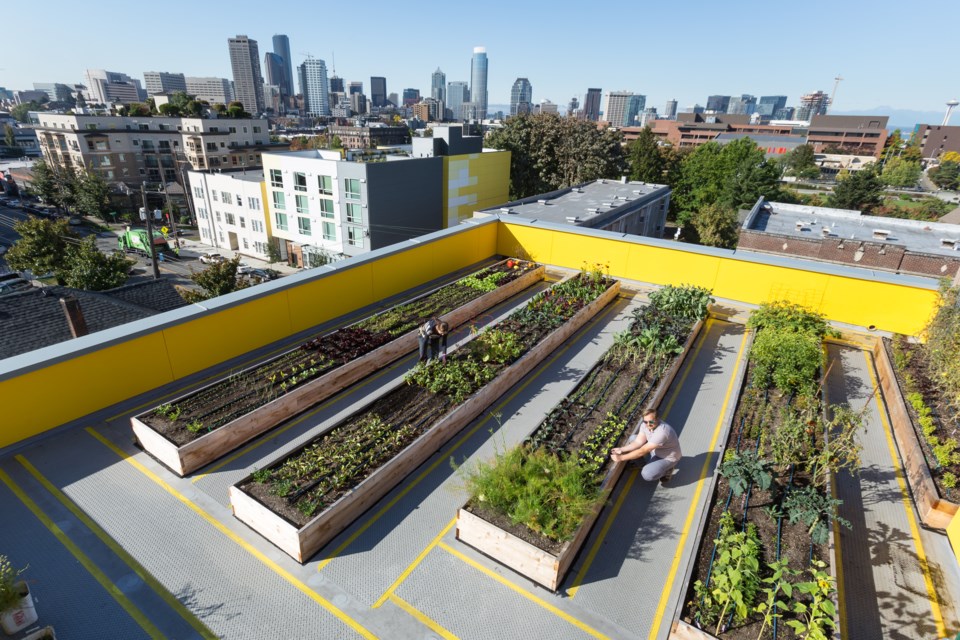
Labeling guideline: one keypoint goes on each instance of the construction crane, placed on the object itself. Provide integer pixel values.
(836, 83)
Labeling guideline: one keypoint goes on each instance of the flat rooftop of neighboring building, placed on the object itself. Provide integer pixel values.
(762, 139)
(809, 222)
(585, 201)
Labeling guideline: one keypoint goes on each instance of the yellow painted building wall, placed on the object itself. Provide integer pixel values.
(953, 533)
(472, 182)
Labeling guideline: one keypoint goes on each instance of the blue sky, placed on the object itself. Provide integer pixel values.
(890, 53)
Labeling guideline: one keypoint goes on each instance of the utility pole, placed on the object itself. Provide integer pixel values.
(148, 215)
(173, 222)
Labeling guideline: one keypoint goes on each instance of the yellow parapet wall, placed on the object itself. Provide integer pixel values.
(56, 385)
(838, 293)
(953, 532)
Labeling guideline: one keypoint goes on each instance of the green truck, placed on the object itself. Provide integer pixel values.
(135, 241)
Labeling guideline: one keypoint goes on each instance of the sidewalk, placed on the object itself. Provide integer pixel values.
(190, 247)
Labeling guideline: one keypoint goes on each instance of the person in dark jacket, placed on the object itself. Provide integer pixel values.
(433, 339)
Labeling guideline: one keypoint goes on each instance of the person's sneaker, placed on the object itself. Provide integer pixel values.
(665, 479)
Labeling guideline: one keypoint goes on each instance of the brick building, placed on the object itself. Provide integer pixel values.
(936, 140)
(854, 135)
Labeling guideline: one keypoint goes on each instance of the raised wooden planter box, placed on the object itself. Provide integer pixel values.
(301, 543)
(934, 511)
(204, 450)
(528, 560)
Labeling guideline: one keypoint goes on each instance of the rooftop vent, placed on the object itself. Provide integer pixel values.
(607, 204)
(593, 210)
(573, 219)
(825, 231)
(541, 201)
(506, 210)
(881, 234)
(576, 190)
(601, 181)
(947, 243)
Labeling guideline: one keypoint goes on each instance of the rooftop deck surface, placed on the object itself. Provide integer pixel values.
(118, 546)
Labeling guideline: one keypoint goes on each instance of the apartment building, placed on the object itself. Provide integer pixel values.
(370, 137)
(232, 212)
(147, 149)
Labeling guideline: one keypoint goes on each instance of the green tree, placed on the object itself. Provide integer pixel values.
(336, 143)
(427, 133)
(860, 190)
(9, 136)
(946, 176)
(42, 247)
(898, 172)
(700, 182)
(235, 110)
(717, 226)
(216, 280)
(193, 108)
(273, 252)
(169, 110)
(549, 152)
(138, 109)
(801, 162)
(43, 181)
(93, 194)
(647, 163)
(21, 112)
(86, 267)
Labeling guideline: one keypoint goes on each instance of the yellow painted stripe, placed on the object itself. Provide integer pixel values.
(581, 575)
(87, 563)
(598, 543)
(523, 592)
(408, 487)
(672, 572)
(278, 432)
(246, 546)
(423, 618)
(104, 537)
(907, 506)
(413, 565)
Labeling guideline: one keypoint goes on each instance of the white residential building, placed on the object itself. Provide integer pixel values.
(213, 90)
(232, 211)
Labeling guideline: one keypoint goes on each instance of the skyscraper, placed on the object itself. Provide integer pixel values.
(591, 104)
(521, 96)
(104, 87)
(573, 106)
(411, 97)
(313, 86)
(458, 93)
(769, 105)
(438, 85)
(336, 83)
(378, 91)
(813, 104)
(671, 110)
(163, 82)
(623, 107)
(478, 81)
(635, 106)
(247, 80)
(276, 73)
(718, 104)
(355, 87)
(281, 47)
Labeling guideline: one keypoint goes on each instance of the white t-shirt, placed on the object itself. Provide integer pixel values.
(664, 437)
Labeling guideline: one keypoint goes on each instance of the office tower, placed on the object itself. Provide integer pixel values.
(247, 80)
(313, 86)
(478, 81)
(212, 90)
(635, 106)
(358, 103)
(438, 85)
(813, 104)
(671, 109)
(769, 105)
(784, 113)
(618, 109)
(573, 107)
(281, 47)
(393, 98)
(458, 94)
(718, 104)
(104, 87)
(647, 116)
(378, 91)
(355, 87)
(748, 103)
(163, 82)
(591, 105)
(273, 67)
(56, 92)
(336, 83)
(411, 97)
(521, 96)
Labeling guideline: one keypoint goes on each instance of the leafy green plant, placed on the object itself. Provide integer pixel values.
(815, 619)
(547, 493)
(783, 316)
(790, 360)
(195, 426)
(791, 442)
(484, 283)
(735, 579)
(10, 594)
(740, 469)
(949, 480)
(842, 448)
(946, 452)
(498, 346)
(773, 607)
(686, 302)
(814, 509)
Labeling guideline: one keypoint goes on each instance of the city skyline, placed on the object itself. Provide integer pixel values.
(894, 75)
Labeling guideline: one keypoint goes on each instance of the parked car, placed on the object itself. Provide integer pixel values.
(75, 221)
(244, 269)
(212, 258)
(262, 275)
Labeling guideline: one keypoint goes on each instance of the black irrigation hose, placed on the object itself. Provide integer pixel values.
(592, 408)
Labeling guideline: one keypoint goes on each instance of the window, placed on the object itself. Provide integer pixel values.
(246, 245)
(213, 194)
(227, 197)
(256, 225)
(123, 158)
(326, 185)
(256, 129)
(352, 188)
(254, 203)
(278, 200)
(304, 225)
(239, 200)
(353, 212)
(214, 129)
(326, 208)
(233, 129)
(243, 222)
(355, 236)
(302, 205)
(281, 219)
(276, 178)
(202, 213)
(329, 231)
(299, 181)
(217, 214)
(230, 219)
(197, 191)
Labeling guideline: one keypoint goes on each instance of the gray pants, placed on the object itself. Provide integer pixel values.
(654, 468)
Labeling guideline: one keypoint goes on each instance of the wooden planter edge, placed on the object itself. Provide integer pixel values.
(193, 455)
(325, 526)
(934, 511)
(530, 561)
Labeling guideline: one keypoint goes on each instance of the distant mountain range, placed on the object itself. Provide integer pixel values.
(903, 119)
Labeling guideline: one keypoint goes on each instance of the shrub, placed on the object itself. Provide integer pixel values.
(786, 316)
(790, 360)
(9, 593)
